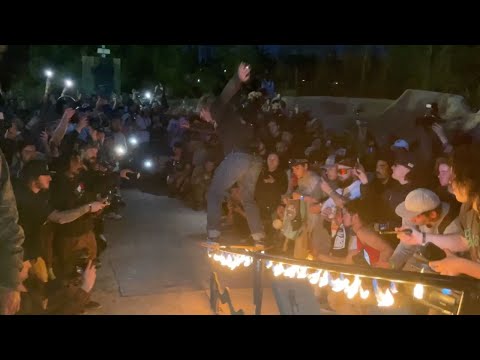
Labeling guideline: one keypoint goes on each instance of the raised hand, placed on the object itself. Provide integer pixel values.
(244, 72)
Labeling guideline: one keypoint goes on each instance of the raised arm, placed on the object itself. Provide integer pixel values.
(233, 86)
(61, 129)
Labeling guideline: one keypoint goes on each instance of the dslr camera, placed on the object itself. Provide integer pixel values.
(431, 116)
(114, 200)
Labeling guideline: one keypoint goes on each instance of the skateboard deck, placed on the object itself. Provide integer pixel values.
(235, 246)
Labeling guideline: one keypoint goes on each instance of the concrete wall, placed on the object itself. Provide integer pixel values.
(386, 116)
(337, 112)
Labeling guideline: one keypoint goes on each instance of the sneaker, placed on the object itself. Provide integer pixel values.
(212, 241)
(114, 216)
(260, 245)
(93, 305)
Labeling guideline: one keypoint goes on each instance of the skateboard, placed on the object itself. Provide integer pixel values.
(252, 248)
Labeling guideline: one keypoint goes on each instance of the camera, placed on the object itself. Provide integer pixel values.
(431, 116)
(114, 200)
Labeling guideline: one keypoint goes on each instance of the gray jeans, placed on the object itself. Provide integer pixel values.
(402, 254)
(243, 169)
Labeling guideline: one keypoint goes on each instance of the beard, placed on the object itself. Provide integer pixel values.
(345, 183)
(91, 164)
(381, 176)
(41, 186)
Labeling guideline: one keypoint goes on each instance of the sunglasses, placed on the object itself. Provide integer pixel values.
(343, 171)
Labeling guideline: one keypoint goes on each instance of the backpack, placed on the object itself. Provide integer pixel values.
(447, 220)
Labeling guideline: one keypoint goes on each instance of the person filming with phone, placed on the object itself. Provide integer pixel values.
(466, 187)
(422, 210)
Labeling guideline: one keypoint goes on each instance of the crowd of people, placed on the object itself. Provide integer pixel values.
(275, 177)
(339, 196)
(63, 162)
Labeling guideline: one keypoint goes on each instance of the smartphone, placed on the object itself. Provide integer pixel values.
(432, 252)
(357, 164)
(134, 176)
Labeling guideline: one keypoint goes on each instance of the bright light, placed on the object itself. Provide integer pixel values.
(336, 82)
(324, 279)
(225, 71)
(418, 291)
(393, 288)
(198, 80)
(68, 83)
(354, 287)
(315, 277)
(120, 150)
(133, 140)
(148, 164)
(48, 73)
(364, 293)
(385, 299)
(148, 95)
(303, 80)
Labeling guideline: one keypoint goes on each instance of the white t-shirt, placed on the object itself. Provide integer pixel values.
(142, 134)
(351, 192)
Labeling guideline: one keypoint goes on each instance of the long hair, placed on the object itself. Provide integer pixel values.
(205, 102)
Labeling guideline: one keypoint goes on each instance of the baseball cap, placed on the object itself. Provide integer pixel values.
(406, 159)
(400, 143)
(329, 162)
(85, 107)
(417, 202)
(346, 163)
(34, 168)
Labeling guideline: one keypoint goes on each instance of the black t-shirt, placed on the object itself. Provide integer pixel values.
(235, 133)
(268, 194)
(448, 197)
(33, 211)
(98, 182)
(389, 201)
(67, 194)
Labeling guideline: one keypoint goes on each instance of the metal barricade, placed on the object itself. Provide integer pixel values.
(445, 294)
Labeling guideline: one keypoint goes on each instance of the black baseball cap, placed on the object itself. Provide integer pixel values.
(406, 159)
(33, 169)
(295, 162)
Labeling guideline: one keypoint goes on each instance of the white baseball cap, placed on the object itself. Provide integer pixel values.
(418, 202)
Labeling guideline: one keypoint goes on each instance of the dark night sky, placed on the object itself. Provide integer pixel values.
(316, 49)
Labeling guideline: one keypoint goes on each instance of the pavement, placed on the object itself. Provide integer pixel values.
(154, 264)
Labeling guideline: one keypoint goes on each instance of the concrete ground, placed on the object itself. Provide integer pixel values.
(154, 263)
